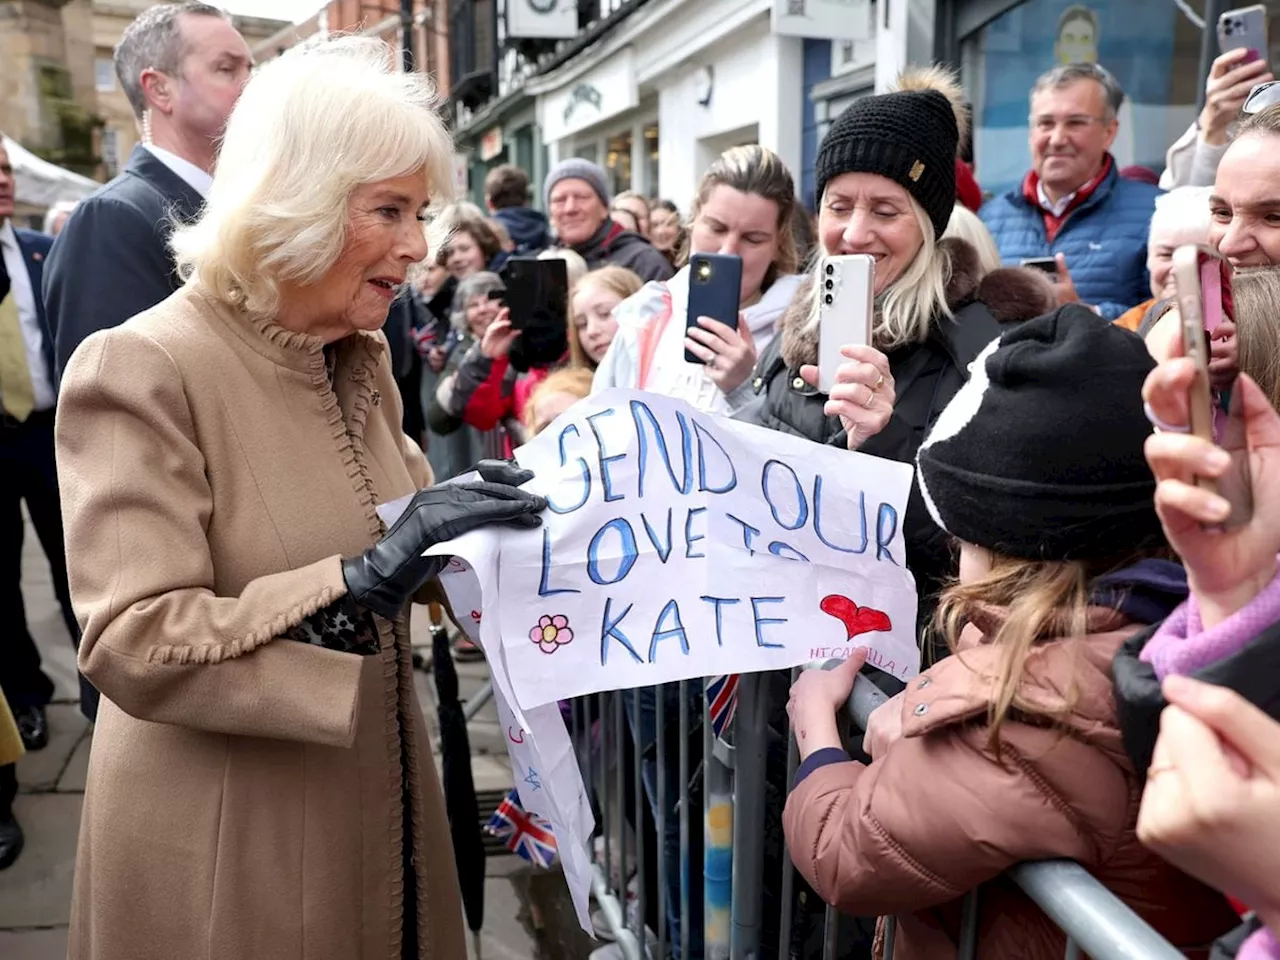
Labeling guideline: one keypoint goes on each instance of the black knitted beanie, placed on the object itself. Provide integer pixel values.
(909, 136)
(1040, 454)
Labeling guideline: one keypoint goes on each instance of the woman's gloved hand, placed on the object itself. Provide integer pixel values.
(385, 576)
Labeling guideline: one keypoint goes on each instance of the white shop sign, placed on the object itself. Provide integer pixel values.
(823, 19)
(596, 95)
(542, 19)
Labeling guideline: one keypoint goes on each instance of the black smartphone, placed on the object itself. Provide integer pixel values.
(715, 287)
(1047, 265)
(535, 291)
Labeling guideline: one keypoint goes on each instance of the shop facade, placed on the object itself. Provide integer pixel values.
(657, 99)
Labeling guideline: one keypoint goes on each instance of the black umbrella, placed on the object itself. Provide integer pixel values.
(459, 788)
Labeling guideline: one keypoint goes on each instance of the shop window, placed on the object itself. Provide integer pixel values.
(1149, 46)
(617, 161)
(587, 151)
(104, 74)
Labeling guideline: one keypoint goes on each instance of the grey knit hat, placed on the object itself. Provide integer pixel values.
(575, 168)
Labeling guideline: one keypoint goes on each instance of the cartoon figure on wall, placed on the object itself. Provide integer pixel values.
(1077, 40)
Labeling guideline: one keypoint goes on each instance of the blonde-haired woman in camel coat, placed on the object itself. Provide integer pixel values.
(261, 783)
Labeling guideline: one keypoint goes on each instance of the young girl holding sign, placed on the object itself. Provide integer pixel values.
(1009, 750)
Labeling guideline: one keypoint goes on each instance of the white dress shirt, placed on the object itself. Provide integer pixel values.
(32, 334)
(198, 180)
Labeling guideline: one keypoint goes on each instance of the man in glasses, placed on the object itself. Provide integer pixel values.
(1073, 213)
(1244, 208)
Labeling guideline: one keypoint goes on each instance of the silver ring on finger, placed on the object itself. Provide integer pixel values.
(871, 398)
(711, 364)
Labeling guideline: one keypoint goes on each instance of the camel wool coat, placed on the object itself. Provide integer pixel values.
(244, 796)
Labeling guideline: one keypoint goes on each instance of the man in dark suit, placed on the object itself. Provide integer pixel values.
(182, 66)
(27, 402)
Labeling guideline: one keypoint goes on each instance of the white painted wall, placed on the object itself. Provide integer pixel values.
(757, 95)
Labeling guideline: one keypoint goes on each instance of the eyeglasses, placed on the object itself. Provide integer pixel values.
(1260, 97)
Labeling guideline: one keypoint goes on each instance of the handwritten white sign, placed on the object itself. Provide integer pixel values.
(680, 545)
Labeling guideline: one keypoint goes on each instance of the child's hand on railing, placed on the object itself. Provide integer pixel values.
(816, 697)
(1226, 569)
(1212, 800)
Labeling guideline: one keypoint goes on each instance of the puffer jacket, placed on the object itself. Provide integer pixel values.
(613, 244)
(938, 814)
(926, 377)
(1104, 239)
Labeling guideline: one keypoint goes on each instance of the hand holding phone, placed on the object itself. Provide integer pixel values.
(1202, 280)
(1244, 28)
(715, 287)
(536, 295)
(846, 292)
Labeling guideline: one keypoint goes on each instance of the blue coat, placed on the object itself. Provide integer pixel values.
(35, 248)
(1104, 239)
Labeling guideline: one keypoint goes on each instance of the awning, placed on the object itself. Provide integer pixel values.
(41, 183)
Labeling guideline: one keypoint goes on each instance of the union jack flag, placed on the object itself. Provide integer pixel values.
(722, 701)
(526, 834)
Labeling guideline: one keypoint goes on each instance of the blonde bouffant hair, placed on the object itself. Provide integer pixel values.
(310, 127)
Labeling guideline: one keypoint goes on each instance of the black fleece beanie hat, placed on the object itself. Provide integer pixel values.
(1040, 454)
(909, 136)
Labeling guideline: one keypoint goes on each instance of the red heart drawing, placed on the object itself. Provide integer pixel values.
(475, 615)
(857, 620)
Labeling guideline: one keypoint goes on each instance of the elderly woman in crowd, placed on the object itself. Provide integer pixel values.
(261, 782)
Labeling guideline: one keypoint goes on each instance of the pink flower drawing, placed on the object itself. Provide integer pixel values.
(551, 632)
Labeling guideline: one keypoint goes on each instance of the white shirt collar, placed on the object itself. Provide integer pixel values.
(199, 180)
(7, 237)
(1057, 209)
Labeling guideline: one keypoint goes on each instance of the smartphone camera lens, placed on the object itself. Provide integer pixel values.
(830, 270)
(830, 284)
(829, 299)
(704, 271)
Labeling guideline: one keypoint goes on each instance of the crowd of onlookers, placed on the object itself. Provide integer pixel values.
(194, 379)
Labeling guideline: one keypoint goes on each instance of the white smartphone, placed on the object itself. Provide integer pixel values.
(846, 291)
(1247, 28)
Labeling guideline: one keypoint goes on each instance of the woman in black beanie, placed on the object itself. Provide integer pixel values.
(886, 187)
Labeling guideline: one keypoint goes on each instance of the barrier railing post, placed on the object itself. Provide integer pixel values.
(686, 801)
(1090, 914)
(641, 805)
(660, 730)
(788, 871)
(748, 802)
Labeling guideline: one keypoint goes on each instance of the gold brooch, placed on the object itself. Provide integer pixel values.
(916, 172)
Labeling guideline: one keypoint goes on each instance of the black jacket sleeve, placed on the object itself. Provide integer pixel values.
(110, 262)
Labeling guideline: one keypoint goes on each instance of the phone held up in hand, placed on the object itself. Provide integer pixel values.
(715, 290)
(1202, 280)
(845, 308)
(1247, 28)
(535, 291)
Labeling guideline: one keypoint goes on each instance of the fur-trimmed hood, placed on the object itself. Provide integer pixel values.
(1010, 293)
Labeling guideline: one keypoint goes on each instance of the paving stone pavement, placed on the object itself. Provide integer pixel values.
(35, 893)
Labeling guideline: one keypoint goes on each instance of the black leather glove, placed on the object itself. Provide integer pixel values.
(385, 576)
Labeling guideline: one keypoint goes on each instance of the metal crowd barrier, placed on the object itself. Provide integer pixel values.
(731, 778)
